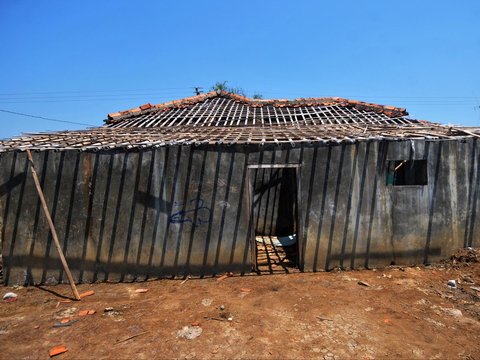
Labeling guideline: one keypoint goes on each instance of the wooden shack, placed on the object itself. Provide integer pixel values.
(189, 187)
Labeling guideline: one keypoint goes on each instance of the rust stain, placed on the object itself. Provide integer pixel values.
(87, 177)
(87, 186)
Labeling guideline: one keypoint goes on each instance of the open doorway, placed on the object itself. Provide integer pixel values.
(274, 216)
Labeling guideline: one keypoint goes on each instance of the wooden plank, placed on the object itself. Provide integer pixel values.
(52, 227)
(274, 166)
(468, 132)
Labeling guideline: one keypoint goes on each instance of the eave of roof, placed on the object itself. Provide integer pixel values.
(390, 111)
(129, 138)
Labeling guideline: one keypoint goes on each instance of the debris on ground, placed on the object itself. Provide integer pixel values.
(87, 293)
(110, 311)
(215, 318)
(454, 312)
(447, 311)
(57, 350)
(10, 297)
(189, 332)
(64, 323)
(207, 302)
(363, 283)
(130, 337)
(226, 275)
(320, 311)
(141, 291)
(224, 316)
(452, 284)
(464, 257)
(86, 312)
(67, 313)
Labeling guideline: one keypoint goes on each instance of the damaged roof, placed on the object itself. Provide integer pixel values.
(223, 118)
(226, 109)
(127, 138)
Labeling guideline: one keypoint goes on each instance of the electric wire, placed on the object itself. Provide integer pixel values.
(163, 94)
(45, 118)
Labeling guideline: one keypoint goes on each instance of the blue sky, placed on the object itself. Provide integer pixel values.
(78, 61)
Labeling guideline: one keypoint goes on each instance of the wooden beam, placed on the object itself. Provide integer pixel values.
(52, 227)
(274, 166)
(467, 132)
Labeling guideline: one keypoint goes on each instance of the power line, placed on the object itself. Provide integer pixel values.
(162, 94)
(88, 96)
(175, 90)
(91, 91)
(122, 97)
(131, 94)
(161, 98)
(45, 118)
(91, 95)
(141, 100)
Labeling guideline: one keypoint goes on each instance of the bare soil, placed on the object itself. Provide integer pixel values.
(396, 312)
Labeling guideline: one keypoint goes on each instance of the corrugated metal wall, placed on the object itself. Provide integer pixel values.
(178, 210)
(126, 215)
(354, 219)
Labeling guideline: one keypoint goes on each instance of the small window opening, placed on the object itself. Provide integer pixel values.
(407, 172)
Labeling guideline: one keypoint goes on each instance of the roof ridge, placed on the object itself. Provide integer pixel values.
(390, 111)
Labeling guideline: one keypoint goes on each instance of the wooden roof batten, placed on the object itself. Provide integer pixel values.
(223, 118)
(270, 111)
(110, 138)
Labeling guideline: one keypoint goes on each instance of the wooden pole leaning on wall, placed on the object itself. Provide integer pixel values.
(52, 227)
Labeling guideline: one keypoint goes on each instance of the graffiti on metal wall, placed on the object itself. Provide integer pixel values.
(194, 212)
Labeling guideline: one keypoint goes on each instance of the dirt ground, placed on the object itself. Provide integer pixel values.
(395, 312)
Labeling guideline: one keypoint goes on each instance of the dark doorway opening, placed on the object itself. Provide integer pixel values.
(275, 218)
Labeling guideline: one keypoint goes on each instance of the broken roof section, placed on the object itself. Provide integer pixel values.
(223, 118)
(128, 138)
(226, 109)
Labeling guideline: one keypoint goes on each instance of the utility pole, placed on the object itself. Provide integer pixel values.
(198, 90)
